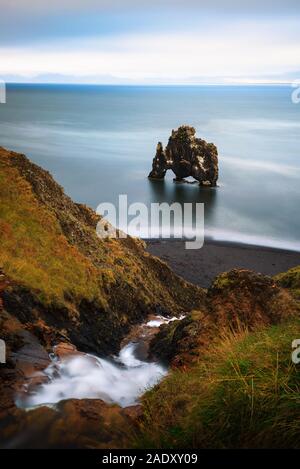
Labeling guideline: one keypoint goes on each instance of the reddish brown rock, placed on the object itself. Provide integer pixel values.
(245, 298)
(84, 423)
(65, 349)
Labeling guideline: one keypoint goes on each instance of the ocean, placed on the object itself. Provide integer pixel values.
(99, 141)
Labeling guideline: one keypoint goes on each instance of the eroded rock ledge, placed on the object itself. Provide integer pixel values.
(240, 300)
(186, 156)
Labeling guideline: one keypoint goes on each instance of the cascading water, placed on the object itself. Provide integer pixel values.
(119, 380)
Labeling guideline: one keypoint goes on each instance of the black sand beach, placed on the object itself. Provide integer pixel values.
(202, 266)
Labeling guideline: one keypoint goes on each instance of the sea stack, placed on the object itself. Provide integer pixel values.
(186, 156)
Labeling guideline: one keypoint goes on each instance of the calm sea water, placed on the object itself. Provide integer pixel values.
(99, 141)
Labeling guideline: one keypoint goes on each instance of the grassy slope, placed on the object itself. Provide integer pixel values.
(33, 249)
(50, 245)
(243, 392)
(65, 282)
(236, 386)
(290, 280)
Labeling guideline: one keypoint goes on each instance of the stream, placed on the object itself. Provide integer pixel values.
(120, 379)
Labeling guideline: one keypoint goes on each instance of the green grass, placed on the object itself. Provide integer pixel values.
(291, 280)
(244, 392)
(39, 252)
(223, 281)
(33, 249)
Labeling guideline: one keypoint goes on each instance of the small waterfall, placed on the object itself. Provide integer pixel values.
(121, 379)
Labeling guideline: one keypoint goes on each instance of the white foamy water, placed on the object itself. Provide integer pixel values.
(159, 320)
(120, 381)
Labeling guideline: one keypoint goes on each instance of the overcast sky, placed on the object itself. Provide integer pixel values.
(155, 41)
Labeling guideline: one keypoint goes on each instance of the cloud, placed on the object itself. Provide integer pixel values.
(261, 49)
(26, 20)
(160, 40)
(221, 5)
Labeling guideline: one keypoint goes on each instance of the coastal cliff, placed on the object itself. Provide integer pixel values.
(67, 283)
(61, 283)
(231, 381)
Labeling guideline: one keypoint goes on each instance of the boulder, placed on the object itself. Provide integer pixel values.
(72, 424)
(186, 156)
(241, 297)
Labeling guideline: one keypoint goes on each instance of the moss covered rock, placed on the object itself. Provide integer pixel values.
(238, 300)
(290, 280)
(245, 298)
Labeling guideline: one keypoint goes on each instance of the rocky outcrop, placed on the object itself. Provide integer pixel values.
(238, 300)
(186, 156)
(84, 423)
(24, 354)
(73, 424)
(245, 298)
(179, 342)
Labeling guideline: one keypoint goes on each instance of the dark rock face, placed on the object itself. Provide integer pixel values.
(178, 342)
(186, 156)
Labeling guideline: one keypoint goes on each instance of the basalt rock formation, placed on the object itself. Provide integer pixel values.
(186, 156)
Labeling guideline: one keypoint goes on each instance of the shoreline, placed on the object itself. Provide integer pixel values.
(203, 265)
(222, 242)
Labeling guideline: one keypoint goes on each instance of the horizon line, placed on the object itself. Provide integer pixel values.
(283, 83)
